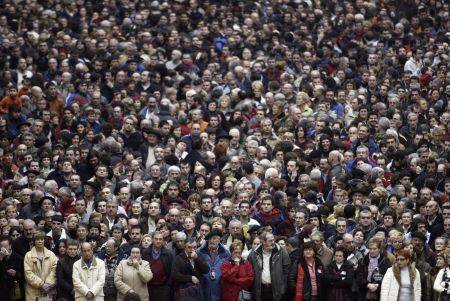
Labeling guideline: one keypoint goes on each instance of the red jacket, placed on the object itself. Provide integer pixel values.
(235, 278)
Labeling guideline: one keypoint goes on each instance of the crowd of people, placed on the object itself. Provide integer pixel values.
(177, 150)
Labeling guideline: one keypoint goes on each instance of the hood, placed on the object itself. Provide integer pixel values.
(269, 215)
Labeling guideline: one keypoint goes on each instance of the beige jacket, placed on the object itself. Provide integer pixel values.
(127, 278)
(37, 273)
(88, 279)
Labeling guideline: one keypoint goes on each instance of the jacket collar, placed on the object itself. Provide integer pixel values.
(35, 256)
(84, 265)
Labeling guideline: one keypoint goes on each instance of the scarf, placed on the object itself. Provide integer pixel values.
(299, 287)
(373, 264)
(155, 254)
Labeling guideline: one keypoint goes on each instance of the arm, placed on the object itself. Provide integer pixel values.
(98, 286)
(51, 278)
(286, 261)
(292, 280)
(144, 272)
(30, 277)
(121, 286)
(78, 285)
(177, 273)
(438, 282)
(348, 278)
(229, 271)
(247, 280)
(417, 286)
(385, 285)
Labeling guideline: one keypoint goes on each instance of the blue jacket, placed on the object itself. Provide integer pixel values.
(212, 288)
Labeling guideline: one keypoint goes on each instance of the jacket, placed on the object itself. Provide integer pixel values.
(279, 271)
(127, 278)
(272, 218)
(89, 279)
(15, 262)
(235, 278)
(36, 274)
(64, 269)
(363, 270)
(182, 271)
(167, 260)
(390, 287)
(305, 291)
(338, 282)
(212, 287)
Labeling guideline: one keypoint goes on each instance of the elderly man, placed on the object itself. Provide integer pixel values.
(88, 275)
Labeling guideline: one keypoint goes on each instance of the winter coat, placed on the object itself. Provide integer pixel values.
(304, 292)
(442, 279)
(37, 274)
(167, 260)
(235, 278)
(64, 269)
(338, 282)
(15, 262)
(212, 287)
(390, 287)
(128, 278)
(182, 271)
(279, 271)
(89, 279)
(363, 270)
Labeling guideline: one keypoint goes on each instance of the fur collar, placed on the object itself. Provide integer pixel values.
(412, 274)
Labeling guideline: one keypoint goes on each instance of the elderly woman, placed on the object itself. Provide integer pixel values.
(401, 281)
(132, 276)
(40, 270)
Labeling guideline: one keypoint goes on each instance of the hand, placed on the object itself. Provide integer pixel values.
(195, 280)
(135, 263)
(236, 260)
(372, 287)
(46, 287)
(11, 272)
(90, 295)
(194, 255)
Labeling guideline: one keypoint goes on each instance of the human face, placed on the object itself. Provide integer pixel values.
(269, 243)
(401, 261)
(39, 243)
(135, 254)
(86, 252)
(374, 251)
(267, 206)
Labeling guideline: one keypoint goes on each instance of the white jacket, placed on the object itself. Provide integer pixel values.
(390, 288)
(439, 284)
(89, 279)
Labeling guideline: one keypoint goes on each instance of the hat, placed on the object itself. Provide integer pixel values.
(92, 184)
(59, 145)
(153, 131)
(223, 135)
(419, 235)
(213, 233)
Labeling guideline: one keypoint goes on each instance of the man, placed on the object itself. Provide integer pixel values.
(234, 232)
(246, 221)
(271, 266)
(23, 244)
(160, 260)
(214, 254)
(112, 258)
(268, 215)
(135, 240)
(154, 210)
(324, 253)
(57, 233)
(188, 268)
(11, 271)
(33, 209)
(434, 221)
(206, 213)
(147, 149)
(88, 275)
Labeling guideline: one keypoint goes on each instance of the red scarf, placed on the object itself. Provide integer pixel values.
(299, 287)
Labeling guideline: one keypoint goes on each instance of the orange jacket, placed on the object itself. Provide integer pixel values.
(8, 101)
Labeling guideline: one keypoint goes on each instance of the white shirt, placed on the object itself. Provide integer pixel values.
(265, 277)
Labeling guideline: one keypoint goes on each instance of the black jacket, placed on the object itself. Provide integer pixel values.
(15, 262)
(339, 281)
(64, 285)
(307, 288)
(21, 246)
(363, 270)
(182, 270)
(166, 257)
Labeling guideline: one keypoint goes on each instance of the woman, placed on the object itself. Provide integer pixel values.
(64, 272)
(442, 282)
(237, 274)
(305, 279)
(40, 270)
(132, 275)
(339, 277)
(370, 273)
(431, 277)
(401, 281)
